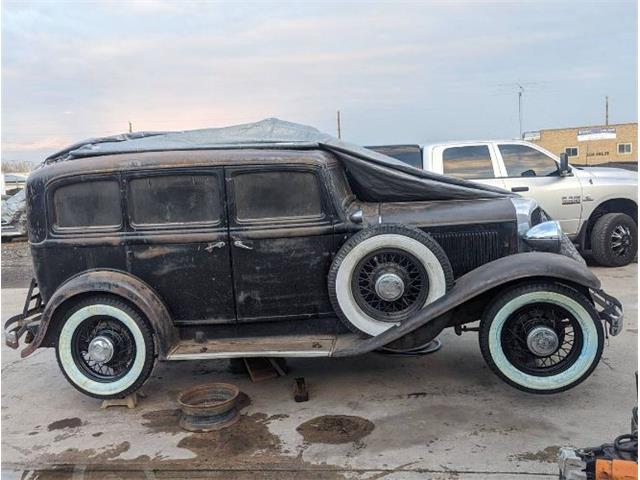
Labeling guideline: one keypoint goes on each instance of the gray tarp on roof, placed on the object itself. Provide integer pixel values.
(373, 176)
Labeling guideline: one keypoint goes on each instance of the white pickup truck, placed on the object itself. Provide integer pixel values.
(596, 207)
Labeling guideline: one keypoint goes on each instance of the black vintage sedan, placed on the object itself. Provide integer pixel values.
(274, 240)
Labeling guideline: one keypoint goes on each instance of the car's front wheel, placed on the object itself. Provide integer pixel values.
(105, 348)
(541, 338)
(614, 240)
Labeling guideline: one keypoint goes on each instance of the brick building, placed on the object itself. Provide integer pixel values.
(595, 145)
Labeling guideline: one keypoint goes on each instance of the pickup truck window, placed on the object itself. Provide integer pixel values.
(282, 194)
(523, 161)
(472, 162)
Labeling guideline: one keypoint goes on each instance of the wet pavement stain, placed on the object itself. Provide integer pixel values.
(548, 455)
(335, 429)
(65, 423)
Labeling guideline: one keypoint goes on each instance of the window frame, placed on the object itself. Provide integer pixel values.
(534, 147)
(231, 172)
(572, 156)
(630, 152)
(170, 172)
(85, 230)
(438, 156)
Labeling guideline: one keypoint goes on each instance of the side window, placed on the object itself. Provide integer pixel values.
(174, 199)
(524, 161)
(571, 151)
(277, 195)
(473, 162)
(87, 204)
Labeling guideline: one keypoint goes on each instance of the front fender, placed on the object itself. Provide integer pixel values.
(117, 283)
(476, 282)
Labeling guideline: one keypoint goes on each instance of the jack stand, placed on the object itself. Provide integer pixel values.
(130, 401)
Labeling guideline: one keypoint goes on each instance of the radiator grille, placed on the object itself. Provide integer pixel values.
(469, 250)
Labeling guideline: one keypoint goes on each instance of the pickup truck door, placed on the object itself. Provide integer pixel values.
(476, 162)
(533, 173)
(282, 241)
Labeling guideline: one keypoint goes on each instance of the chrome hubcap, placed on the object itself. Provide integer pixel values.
(100, 349)
(542, 341)
(389, 286)
(621, 239)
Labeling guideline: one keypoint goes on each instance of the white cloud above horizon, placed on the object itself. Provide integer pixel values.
(399, 72)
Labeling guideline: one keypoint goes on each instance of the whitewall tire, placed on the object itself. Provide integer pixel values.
(105, 348)
(542, 338)
(409, 263)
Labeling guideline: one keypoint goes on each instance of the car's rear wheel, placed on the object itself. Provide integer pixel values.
(384, 274)
(614, 240)
(541, 338)
(105, 347)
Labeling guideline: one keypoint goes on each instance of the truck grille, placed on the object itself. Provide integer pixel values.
(470, 249)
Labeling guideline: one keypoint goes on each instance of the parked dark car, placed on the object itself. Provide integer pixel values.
(201, 245)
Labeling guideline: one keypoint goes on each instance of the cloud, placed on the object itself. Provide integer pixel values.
(398, 72)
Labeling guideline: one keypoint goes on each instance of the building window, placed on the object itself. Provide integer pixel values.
(624, 149)
(571, 151)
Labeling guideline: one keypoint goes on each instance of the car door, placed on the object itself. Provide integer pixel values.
(475, 162)
(282, 241)
(533, 173)
(178, 241)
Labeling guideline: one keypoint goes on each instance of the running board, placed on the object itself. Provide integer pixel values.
(273, 346)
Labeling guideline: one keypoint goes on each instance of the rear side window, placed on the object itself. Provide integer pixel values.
(94, 203)
(471, 162)
(173, 199)
(283, 194)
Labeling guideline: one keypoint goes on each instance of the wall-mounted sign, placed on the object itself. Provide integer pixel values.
(596, 133)
(531, 136)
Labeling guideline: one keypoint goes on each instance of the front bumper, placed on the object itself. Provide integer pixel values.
(611, 313)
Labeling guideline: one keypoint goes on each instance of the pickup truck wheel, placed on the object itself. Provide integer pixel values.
(541, 338)
(384, 274)
(614, 240)
(105, 348)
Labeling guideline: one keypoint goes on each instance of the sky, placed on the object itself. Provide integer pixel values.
(399, 72)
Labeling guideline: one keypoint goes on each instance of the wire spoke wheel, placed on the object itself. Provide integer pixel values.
(389, 284)
(103, 348)
(542, 339)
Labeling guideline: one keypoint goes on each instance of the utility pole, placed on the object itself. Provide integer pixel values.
(130, 127)
(520, 92)
(606, 110)
(338, 121)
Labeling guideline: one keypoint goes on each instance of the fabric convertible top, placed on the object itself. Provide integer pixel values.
(373, 176)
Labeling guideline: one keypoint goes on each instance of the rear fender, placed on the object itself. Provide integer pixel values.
(482, 279)
(114, 282)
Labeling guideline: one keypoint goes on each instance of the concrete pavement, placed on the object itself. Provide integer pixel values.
(440, 416)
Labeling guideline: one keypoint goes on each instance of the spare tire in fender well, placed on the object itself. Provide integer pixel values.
(115, 282)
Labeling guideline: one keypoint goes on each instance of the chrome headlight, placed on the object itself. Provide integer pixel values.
(545, 237)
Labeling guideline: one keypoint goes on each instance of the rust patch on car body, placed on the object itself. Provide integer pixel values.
(335, 429)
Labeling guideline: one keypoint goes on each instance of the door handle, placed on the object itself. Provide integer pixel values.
(212, 246)
(241, 244)
(520, 189)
